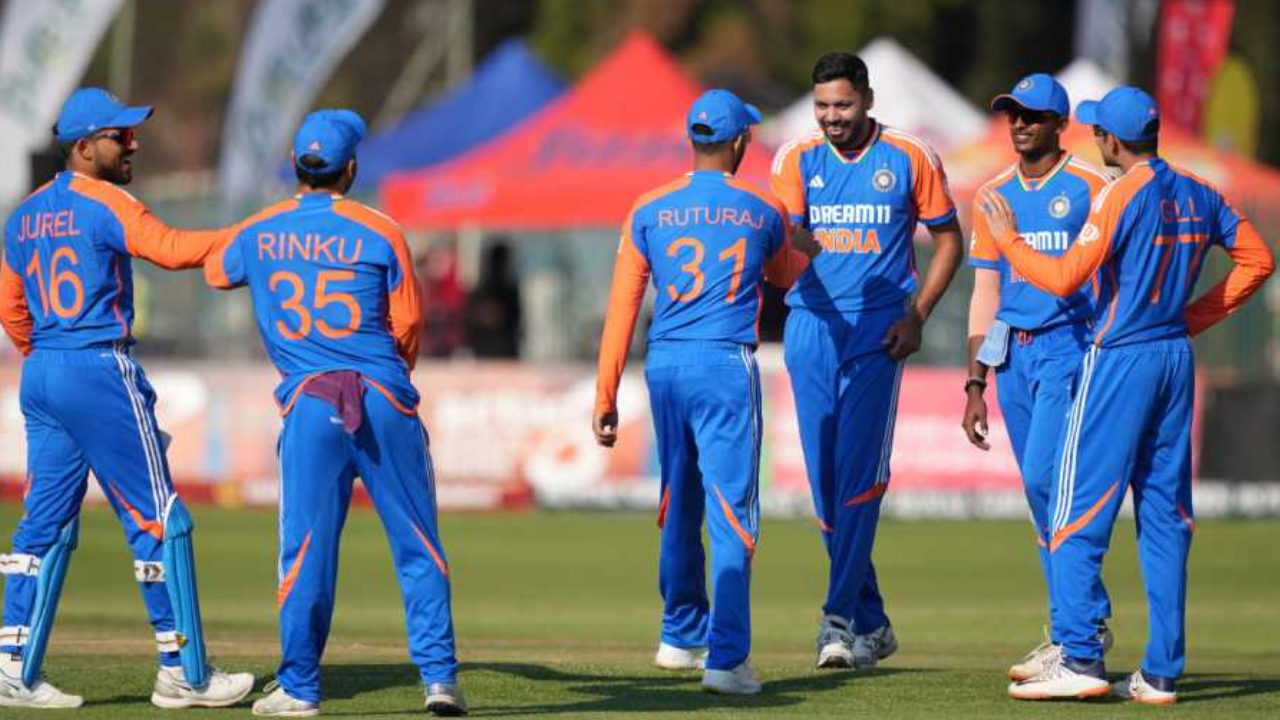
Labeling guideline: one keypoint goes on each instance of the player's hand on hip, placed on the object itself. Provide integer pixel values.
(975, 421)
(605, 428)
(998, 213)
(904, 337)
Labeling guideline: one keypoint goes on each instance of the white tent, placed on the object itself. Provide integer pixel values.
(1084, 80)
(908, 96)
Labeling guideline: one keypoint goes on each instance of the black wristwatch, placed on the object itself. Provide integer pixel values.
(974, 380)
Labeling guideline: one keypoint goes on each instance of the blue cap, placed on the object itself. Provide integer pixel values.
(331, 135)
(1126, 112)
(723, 112)
(89, 110)
(1036, 92)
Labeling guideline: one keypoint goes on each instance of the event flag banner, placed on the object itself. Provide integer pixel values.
(509, 435)
(44, 49)
(291, 49)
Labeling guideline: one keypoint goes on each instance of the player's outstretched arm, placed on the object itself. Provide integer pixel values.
(1254, 263)
(1060, 276)
(630, 276)
(148, 237)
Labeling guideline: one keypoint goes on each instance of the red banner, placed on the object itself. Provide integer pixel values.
(1192, 43)
(508, 435)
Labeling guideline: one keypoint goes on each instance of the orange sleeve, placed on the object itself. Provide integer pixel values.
(929, 188)
(404, 309)
(983, 252)
(147, 236)
(785, 181)
(14, 314)
(404, 315)
(1254, 263)
(630, 277)
(1063, 275)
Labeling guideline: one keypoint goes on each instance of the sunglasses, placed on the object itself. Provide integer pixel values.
(1029, 117)
(1099, 132)
(123, 136)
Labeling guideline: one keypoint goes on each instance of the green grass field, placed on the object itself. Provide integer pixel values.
(557, 614)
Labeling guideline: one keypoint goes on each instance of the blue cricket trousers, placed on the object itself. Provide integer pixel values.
(91, 409)
(705, 398)
(1034, 387)
(1130, 426)
(318, 464)
(846, 394)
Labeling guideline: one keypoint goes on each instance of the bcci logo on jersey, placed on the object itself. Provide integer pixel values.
(883, 180)
(1059, 207)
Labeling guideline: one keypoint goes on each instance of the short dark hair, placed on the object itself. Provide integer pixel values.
(841, 65)
(1145, 147)
(307, 170)
(707, 148)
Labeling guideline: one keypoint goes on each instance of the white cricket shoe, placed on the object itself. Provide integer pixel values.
(873, 647)
(1138, 688)
(1047, 652)
(835, 643)
(41, 695)
(1060, 681)
(741, 680)
(670, 657)
(279, 703)
(222, 689)
(445, 700)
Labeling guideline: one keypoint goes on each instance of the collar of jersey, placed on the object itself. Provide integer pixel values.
(1034, 184)
(708, 173)
(313, 195)
(875, 136)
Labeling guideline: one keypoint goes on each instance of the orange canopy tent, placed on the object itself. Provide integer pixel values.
(579, 162)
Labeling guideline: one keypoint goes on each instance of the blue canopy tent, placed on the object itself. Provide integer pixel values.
(508, 86)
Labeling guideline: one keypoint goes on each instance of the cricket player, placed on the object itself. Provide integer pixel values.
(857, 189)
(1130, 421)
(1033, 339)
(708, 240)
(66, 301)
(336, 303)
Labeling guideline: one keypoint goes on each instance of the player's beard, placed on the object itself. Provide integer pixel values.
(119, 172)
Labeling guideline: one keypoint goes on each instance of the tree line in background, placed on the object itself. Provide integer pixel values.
(185, 52)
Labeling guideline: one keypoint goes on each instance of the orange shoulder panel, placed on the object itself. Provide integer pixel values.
(404, 309)
(1096, 178)
(982, 245)
(215, 274)
(929, 184)
(784, 178)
